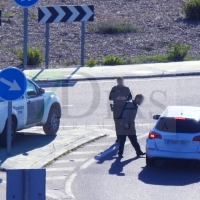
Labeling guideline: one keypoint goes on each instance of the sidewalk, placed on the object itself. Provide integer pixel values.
(33, 149)
(110, 72)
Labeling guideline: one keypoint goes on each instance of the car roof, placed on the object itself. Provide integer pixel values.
(182, 111)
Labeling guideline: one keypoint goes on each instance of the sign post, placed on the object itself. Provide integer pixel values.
(83, 44)
(25, 4)
(25, 47)
(57, 14)
(47, 45)
(0, 17)
(13, 85)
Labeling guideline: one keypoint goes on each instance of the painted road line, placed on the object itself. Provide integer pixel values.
(67, 105)
(51, 178)
(83, 152)
(142, 135)
(56, 194)
(70, 161)
(60, 169)
(88, 163)
(68, 186)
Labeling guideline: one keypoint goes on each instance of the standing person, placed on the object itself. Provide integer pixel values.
(119, 94)
(128, 126)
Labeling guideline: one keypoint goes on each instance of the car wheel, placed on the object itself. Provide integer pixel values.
(3, 136)
(53, 122)
(150, 161)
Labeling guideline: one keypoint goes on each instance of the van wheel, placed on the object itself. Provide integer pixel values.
(150, 161)
(53, 122)
(3, 136)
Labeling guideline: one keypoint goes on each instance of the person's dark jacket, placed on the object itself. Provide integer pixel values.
(120, 91)
(118, 105)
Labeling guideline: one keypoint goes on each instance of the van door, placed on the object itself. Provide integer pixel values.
(35, 104)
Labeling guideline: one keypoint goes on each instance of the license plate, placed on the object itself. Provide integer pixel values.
(176, 142)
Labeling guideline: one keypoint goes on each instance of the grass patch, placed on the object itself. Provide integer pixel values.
(150, 59)
(92, 62)
(33, 17)
(8, 15)
(177, 52)
(34, 55)
(113, 60)
(68, 63)
(113, 27)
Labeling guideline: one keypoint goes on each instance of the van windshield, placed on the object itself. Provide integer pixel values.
(178, 126)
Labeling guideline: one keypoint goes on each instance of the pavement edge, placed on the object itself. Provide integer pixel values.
(49, 159)
(39, 81)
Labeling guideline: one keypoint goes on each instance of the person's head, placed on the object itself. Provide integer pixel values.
(120, 81)
(139, 98)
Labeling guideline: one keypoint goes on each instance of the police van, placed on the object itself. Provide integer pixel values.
(36, 108)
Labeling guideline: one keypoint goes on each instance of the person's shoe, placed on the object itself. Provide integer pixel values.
(117, 141)
(140, 154)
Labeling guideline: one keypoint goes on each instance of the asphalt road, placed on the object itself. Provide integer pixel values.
(93, 172)
(129, 178)
(86, 103)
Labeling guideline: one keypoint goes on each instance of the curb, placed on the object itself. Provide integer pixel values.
(65, 150)
(114, 77)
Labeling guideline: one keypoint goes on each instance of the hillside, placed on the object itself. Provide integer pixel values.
(158, 23)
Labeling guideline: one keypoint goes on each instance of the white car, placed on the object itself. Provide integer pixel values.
(36, 108)
(175, 135)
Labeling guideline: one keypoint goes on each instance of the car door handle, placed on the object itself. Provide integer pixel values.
(29, 102)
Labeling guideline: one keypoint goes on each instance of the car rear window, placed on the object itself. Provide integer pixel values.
(178, 126)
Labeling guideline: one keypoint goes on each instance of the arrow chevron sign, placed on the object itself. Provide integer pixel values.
(56, 14)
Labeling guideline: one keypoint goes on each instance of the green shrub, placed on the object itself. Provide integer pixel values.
(192, 9)
(92, 62)
(177, 52)
(113, 26)
(150, 59)
(34, 56)
(113, 60)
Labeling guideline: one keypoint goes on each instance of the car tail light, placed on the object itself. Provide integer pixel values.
(197, 138)
(179, 118)
(153, 135)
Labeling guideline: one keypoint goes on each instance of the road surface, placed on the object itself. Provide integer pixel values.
(83, 175)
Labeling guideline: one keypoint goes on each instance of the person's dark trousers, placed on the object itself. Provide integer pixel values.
(133, 140)
(117, 127)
